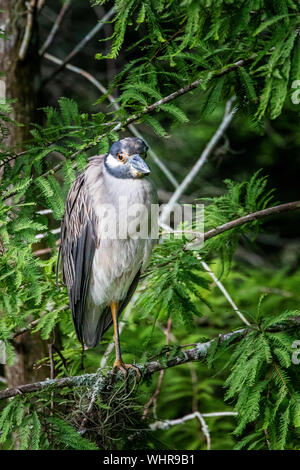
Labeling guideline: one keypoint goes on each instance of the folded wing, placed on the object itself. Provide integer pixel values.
(77, 249)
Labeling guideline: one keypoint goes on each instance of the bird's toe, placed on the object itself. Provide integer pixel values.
(119, 365)
(136, 369)
(125, 368)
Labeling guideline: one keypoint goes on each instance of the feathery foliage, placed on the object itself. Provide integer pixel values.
(189, 40)
(249, 49)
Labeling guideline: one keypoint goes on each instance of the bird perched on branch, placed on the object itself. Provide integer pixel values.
(101, 260)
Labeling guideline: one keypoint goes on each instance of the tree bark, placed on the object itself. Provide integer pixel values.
(20, 74)
(19, 67)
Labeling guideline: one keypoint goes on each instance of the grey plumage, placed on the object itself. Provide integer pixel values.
(97, 270)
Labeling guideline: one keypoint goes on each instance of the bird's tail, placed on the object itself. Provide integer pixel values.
(95, 323)
(97, 319)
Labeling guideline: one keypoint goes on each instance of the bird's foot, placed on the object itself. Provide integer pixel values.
(124, 368)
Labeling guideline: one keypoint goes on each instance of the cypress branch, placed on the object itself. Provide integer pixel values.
(197, 353)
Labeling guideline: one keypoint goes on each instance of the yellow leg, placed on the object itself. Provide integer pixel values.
(119, 364)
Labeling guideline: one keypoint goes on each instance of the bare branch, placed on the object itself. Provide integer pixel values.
(82, 380)
(228, 115)
(166, 424)
(28, 29)
(29, 327)
(40, 5)
(196, 354)
(55, 27)
(164, 196)
(43, 251)
(153, 399)
(54, 231)
(224, 291)
(82, 43)
(217, 414)
(287, 207)
(182, 91)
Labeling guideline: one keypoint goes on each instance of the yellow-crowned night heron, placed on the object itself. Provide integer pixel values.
(102, 272)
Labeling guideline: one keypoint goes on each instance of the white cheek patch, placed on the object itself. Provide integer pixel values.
(112, 162)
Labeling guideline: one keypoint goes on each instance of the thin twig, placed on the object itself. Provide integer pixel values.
(224, 291)
(228, 115)
(29, 327)
(267, 438)
(281, 378)
(217, 414)
(287, 207)
(55, 27)
(52, 372)
(194, 380)
(166, 424)
(62, 358)
(28, 29)
(43, 251)
(166, 43)
(205, 430)
(82, 44)
(164, 196)
(40, 4)
(153, 399)
(82, 380)
(50, 349)
(54, 231)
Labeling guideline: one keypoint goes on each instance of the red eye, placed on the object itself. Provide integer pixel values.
(120, 157)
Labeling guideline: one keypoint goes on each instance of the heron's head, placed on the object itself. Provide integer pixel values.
(126, 158)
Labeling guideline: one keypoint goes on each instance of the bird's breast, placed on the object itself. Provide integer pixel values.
(115, 265)
(119, 254)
